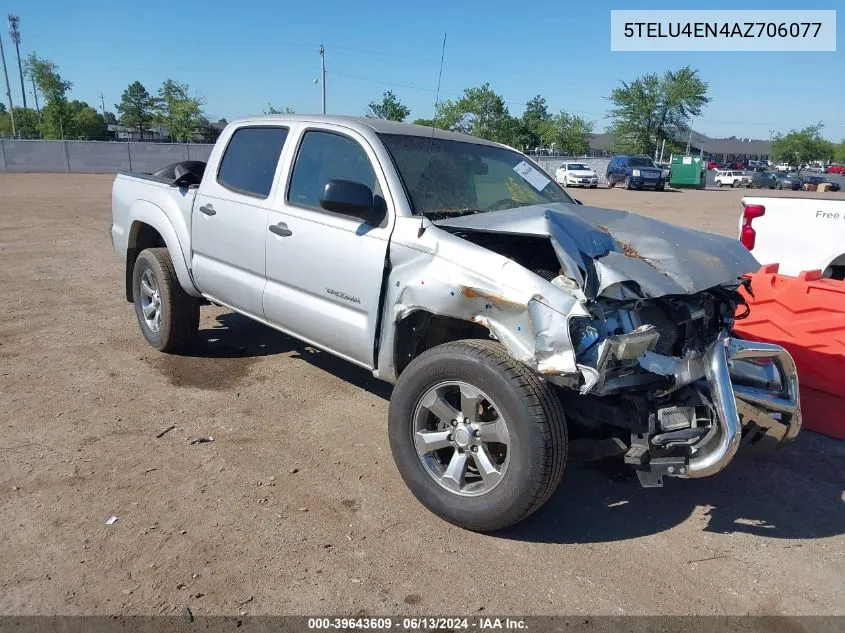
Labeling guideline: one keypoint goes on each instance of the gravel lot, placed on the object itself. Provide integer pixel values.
(296, 506)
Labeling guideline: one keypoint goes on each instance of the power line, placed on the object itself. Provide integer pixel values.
(511, 102)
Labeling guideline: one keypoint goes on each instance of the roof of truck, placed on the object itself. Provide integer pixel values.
(380, 126)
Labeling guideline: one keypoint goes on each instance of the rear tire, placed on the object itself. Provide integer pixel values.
(610, 182)
(627, 183)
(779, 186)
(167, 315)
(534, 455)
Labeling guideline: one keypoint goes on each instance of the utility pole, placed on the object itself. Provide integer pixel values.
(8, 89)
(15, 34)
(103, 104)
(323, 74)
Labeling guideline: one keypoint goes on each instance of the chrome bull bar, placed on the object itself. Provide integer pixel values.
(716, 450)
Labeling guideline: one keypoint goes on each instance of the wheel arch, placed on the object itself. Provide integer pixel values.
(150, 227)
(421, 330)
(836, 268)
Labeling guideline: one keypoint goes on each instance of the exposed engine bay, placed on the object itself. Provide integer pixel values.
(659, 379)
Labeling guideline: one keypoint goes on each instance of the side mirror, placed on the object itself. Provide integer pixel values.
(577, 201)
(347, 197)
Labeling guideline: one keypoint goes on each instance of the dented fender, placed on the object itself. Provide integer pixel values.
(447, 276)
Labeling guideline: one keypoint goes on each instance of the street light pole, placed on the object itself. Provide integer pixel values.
(8, 88)
(323, 75)
(15, 34)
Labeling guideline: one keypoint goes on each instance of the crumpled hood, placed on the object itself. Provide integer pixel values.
(618, 254)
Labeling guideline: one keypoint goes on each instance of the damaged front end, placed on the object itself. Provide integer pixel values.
(690, 394)
(647, 349)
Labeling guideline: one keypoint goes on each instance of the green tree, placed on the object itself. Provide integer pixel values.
(110, 118)
(534, 120)
(88, 124)
(839, 153)
(136, 107)
(390, 108)
(567, 133)
(26, 122)
(176, 109)
(652, 108)
(56, 115)
(3, 108)
(480, 112)
(799, 147)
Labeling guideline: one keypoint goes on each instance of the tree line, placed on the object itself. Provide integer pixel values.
(173, 107)
(651, 112)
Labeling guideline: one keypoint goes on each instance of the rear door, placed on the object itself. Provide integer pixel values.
(325, 270)
(229, 222)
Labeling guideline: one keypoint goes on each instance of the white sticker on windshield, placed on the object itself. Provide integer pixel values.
(535, 178)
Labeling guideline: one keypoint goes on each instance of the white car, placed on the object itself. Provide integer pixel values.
(732, 178)
(576, 175)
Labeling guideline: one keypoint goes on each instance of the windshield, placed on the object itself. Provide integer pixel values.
(640, 161)
(577, 167)
(446, 178)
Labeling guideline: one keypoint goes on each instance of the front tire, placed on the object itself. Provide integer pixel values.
(627, 184)
(779, 186)
(477, 437)
(168, 316)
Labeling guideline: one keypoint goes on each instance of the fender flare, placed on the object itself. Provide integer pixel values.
(143, 211)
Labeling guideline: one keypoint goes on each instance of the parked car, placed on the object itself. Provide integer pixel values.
(711, 165)
(757, 168)
(736, 164)
(836, 169)
(456, 269)
(815, 181)
(732, 178)
(576, 175)
(635, 172)
(798, 234)
(790, 181)
(818, 169)
(765, 180)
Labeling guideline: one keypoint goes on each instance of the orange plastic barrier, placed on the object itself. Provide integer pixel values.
(806, 315)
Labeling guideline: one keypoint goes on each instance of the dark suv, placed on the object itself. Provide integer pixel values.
(635, 172)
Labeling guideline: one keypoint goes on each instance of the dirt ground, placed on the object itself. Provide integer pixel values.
(296, 506)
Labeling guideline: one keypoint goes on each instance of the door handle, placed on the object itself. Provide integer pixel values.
(280, 229)
(208, 209)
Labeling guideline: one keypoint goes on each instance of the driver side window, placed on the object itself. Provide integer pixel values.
(324, 156)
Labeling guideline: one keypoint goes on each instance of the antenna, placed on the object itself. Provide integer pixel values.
(431, 139)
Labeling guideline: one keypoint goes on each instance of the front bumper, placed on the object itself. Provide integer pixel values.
(640, 181)
(767, 413)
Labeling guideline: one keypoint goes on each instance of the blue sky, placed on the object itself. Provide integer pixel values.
(241, 56)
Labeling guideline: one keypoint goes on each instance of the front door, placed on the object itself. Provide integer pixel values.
(324, 269)
(229, 219)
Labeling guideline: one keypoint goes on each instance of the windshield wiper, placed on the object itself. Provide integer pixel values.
(442, 214)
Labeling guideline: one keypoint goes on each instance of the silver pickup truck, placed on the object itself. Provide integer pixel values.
(512, 320)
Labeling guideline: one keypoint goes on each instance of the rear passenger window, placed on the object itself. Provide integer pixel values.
(250, 159)
(324, 156)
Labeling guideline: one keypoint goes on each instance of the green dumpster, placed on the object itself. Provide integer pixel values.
(688, 171)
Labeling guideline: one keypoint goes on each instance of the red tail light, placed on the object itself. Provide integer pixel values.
(747, 234)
